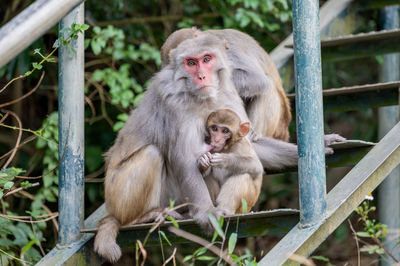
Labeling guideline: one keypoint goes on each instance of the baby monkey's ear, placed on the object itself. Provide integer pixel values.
(244, 129)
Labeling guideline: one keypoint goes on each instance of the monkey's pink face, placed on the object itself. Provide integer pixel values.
(219, 137)
(201, 69)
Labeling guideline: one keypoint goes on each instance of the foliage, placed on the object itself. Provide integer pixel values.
(372, 229)
(18, 238)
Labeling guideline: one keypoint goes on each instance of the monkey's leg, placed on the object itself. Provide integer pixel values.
(132, 188)
(235, 189)
(213, 187)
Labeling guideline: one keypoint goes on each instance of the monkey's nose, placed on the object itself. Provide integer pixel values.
(202, 77)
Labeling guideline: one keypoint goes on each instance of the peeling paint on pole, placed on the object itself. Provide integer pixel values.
(71, 134)
(309, 111)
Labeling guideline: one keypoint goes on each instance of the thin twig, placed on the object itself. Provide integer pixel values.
(27, 140)
(24, 96)
(47, 209)
(4, 118)
(91, 178)
(201, 242)
(170, 258)
(32, 222)
(143, 251)
(358, 246)
(40, 244)
(91, 105)
(11, 256)
(55, 167)
(11, 81)
(19, 189)
(18, 139)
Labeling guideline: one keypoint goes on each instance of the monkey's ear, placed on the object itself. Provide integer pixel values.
(244, 129)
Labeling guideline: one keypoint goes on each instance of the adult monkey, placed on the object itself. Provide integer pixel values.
(255, 76)
(154, 158)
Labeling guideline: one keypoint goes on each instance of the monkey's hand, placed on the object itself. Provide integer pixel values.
(330, 139)
(204, 162)
(220, 160)
(203, 219)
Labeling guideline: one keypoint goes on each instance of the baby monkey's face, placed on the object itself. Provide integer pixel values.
(219, 135)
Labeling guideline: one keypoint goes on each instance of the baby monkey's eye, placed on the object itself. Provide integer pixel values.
(214, 128)
(225, 130)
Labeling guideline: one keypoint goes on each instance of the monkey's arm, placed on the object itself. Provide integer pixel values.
(277, 154)
(238, 164)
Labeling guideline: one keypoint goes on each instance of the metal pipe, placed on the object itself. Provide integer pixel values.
(30, 24)
(389, 190)
(309, 112)
(71, 133)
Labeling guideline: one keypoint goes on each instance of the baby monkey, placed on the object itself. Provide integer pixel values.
(231, 168)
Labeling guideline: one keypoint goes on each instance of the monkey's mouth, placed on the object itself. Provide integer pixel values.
(206, 88)
(210, 147)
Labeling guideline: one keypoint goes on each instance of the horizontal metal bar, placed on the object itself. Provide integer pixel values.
(341, 200)
(328, 13)
(30, 24)
(359, 38)
(356, 97)
(347, 153)
(359, 45)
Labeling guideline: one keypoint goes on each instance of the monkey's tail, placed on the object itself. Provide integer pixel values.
(105, 243)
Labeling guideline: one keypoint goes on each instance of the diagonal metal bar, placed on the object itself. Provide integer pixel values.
(30, 24)
(341, 200)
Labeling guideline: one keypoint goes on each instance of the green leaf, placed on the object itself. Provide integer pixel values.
(187, 258)
(174, 222)
(244, 205)
(205, 258)
(25, 184)
(232, 242)
(200, 251)
(27, 247)
(84, 27)
(36, 51)
(363, 234)
(322, 258)
(165, 237)
(117, 126)
(8, 185)
(216, 225)
(37, 66)
(1, 193)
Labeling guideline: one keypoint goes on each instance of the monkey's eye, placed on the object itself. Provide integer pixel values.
(225, 130)
(207, 59)
(191, 62)
(214, 128)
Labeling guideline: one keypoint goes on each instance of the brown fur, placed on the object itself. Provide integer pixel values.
(239, 175)
(104, 243)
(269, 111)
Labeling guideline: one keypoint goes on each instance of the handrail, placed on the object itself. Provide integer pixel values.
(30, 24)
